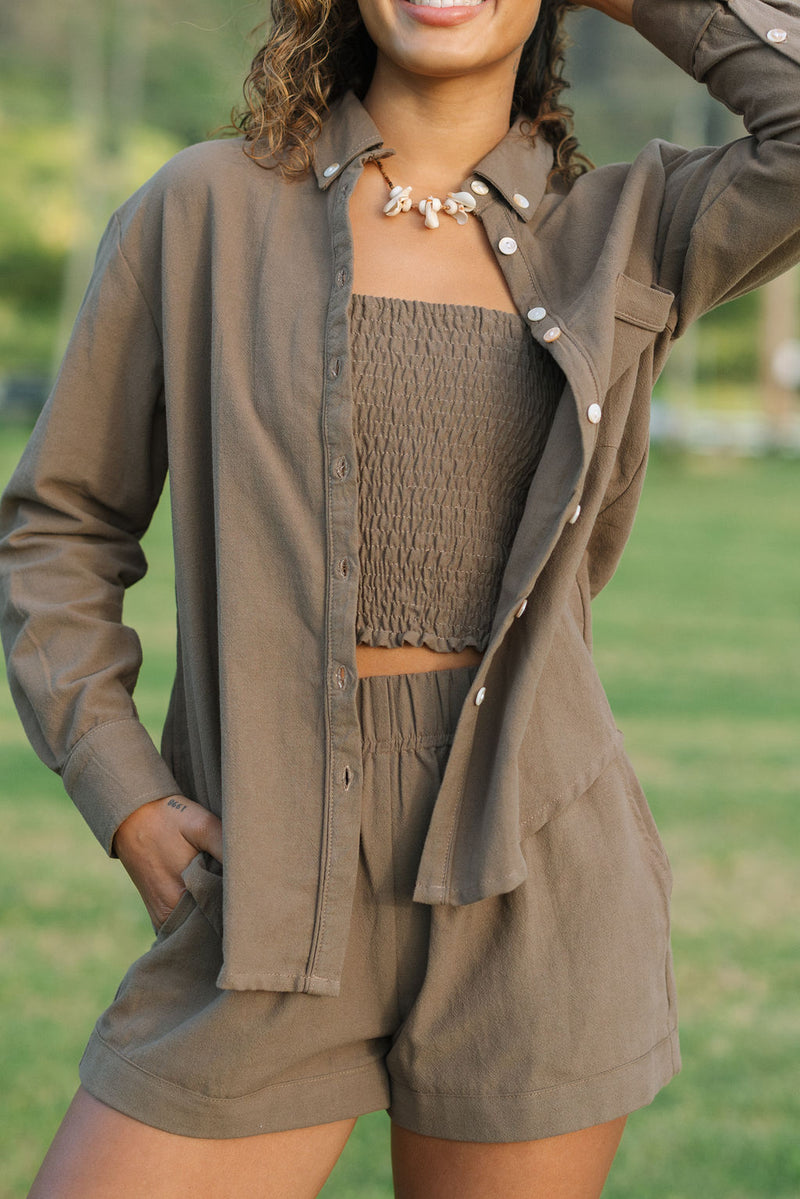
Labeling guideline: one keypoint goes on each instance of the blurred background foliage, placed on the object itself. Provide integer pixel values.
(94, 96)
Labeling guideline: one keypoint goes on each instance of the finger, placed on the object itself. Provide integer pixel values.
(204, 831)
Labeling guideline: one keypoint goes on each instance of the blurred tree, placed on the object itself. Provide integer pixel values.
(780, 325)
(94, 96)
(197, 52)
(106, 40)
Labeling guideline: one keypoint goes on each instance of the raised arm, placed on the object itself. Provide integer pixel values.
(730, 215)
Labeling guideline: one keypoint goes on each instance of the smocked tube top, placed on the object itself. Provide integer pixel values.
(452, 408)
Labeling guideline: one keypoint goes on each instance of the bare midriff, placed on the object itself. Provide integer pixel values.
(410, 659)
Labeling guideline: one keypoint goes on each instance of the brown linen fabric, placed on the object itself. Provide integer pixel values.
(524, 1015)
(452, 405)
(214, 338)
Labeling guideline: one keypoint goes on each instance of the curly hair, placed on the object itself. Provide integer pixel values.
(318, 49)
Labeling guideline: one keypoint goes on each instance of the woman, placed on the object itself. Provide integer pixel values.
(405, 447)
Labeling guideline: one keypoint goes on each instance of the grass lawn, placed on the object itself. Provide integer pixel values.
(698, 642)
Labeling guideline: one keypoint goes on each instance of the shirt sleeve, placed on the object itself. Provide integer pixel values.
(71, 521)
(730, 219)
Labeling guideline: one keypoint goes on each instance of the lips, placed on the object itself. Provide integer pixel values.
(444, 13)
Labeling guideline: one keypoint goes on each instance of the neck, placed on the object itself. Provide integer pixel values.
(440, 128)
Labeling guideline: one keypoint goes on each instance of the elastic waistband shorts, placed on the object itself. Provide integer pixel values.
(538, 1012)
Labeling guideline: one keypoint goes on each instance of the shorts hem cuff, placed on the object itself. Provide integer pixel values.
(546, 1112)
(297, 1103)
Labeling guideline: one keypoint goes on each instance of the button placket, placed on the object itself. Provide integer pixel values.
(342, 734)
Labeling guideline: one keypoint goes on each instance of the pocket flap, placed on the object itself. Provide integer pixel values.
(642, 305)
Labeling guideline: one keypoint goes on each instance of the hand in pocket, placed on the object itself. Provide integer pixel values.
(158, 841)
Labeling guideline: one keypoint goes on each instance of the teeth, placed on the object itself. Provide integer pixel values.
(446, 3)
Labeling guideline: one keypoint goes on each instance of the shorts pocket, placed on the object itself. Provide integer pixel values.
(203, 881)
(645, 820)
(176, 917)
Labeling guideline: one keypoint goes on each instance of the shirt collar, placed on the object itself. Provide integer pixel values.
(516, 167)
(347, 131)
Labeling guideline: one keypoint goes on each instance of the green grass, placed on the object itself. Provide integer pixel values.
(697, 642)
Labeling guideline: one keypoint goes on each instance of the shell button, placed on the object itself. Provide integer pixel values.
(521, 609)
(552, 334)
(521, 201)
(479, 187)
(331, 170)
(594, 413)
(575, 515)
(777, 36)
(537, 314)
(507, 245)
(480, 696)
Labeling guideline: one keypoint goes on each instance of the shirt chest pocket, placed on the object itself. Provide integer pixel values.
(641, 312)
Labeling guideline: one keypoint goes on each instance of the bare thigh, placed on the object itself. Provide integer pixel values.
(572, 1166)
(99, 1152)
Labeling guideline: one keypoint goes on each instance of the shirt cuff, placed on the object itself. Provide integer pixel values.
(778, 27)
(676, 27)
(114, 769)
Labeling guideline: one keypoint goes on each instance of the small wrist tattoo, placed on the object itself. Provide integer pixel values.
(174, 803)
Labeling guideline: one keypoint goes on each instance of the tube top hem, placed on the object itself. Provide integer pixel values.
(418, 637)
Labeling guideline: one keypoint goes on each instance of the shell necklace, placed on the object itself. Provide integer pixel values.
(457, 204)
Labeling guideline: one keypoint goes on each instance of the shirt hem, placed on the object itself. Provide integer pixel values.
(307, 984)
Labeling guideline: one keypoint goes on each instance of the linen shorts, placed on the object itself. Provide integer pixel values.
(538, 1012)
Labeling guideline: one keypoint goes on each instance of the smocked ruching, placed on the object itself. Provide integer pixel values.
(452, 407)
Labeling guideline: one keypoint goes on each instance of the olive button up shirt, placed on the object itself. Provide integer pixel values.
(214, 339)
